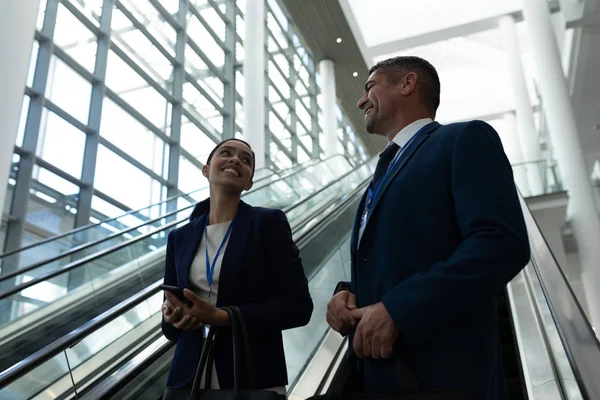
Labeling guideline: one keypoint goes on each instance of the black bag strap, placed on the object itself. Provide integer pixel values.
(203, 361)
(207, 357)
(248, 365)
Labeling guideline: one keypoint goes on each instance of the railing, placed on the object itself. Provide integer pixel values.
(536, 178)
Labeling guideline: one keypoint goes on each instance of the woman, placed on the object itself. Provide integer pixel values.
(231, 253)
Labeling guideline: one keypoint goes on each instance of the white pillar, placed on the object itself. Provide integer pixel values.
(512, 147)
(527, 133)
(17, 28)
(329, 123)
(254, 79)
(567, 148)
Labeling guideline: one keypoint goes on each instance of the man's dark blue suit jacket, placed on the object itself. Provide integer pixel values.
(445, 234)
(262, 274)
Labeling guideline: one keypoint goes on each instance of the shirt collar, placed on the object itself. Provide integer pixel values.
(408, 131)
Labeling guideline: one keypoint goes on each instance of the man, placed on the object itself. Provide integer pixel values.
(438, 234)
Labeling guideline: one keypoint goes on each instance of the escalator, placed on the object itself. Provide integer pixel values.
(105, 345)
(549, 348)
(84, 283)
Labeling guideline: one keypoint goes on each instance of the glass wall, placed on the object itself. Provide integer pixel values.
(125, 99)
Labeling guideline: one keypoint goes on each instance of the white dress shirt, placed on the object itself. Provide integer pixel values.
(400, 139)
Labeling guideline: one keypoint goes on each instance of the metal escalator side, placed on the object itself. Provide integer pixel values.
(46, 366)
(113, 274)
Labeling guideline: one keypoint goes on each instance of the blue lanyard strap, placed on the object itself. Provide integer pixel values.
(371, 193)
(210, 267)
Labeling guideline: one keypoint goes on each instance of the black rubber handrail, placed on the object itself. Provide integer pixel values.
(35, 360)
(89, 244)
(75, 264)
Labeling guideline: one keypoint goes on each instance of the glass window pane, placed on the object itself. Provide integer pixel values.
(75, 39)
(127, 133)
(190, 176)
(195, 141)
(122, 181)
(198, 33)
(32, 63)
(22, 120)
(214, 20)
(51, 207)
(68, 90)
(90, 8)
(202, 109)
(58, 138)
(41, 15)
(137, 46)
(148, 15)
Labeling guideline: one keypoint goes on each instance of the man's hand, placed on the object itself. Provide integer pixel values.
(339, 310)
(376, 332)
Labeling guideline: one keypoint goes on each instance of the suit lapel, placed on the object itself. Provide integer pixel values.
(405, 156)
(190, 247)
(233, 259)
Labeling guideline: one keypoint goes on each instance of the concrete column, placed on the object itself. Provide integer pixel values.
(329, 123)
(17, 28)
(254, 79)
(512, 147)
(526, 132)
(567, 148)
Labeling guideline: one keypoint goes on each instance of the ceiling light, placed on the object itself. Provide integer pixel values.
(355, 74)
(338, 40)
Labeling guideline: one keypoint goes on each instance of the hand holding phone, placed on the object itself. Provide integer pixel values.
(177, 292)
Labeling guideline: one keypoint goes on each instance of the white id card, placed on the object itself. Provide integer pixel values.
(206, 329)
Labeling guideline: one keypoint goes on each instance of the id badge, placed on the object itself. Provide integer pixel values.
(206, 330)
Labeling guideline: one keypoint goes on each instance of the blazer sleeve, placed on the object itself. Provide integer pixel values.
(494, 245)
(169, 330)
(291, 305)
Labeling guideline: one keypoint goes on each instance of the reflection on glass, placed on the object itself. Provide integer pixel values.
(150, 17)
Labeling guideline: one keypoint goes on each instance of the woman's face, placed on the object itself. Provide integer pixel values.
(231, 166)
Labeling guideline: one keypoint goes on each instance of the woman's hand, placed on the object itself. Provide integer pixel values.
(176, 313)
(205, 312)
(200, 313)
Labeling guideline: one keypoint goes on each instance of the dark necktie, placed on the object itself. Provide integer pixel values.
(385, 158)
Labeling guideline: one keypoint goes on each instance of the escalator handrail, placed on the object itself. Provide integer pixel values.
(89, 244)
(119, 246)
(567, 313)
(71, 339)
(89, 226)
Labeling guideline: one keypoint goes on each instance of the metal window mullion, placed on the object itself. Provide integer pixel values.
(223, 16)
(135, 114)
(229, 86)
(287, 102)
(281, 147)
(268, 136)
(82, 17)
(50, 106)
(190, 78)
(314, 113)
(59, 172)
(104, 142)
(208, 28)
(177, 113)
(191, 158)
(14, 230)
(140, 71)
(200, 125)
(213, 68)
(167, 16)
(84, 205)
(140, 26)
(287, 80)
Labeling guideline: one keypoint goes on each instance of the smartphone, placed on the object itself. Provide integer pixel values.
(178, 292)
